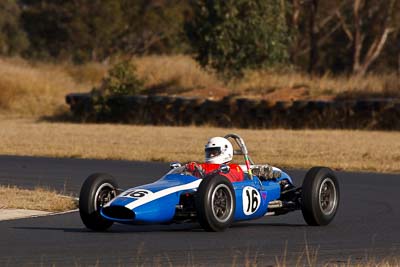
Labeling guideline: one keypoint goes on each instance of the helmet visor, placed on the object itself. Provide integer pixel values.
(212, 152)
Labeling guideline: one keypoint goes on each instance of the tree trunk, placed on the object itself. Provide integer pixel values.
(313, 37)
(398, 64)
(357, 37)
(362, 64)
(398, 54)
(295, 25)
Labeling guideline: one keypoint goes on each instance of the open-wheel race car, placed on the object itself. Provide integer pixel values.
(210, 199)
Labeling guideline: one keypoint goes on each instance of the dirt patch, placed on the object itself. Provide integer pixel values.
(271, 95)
(213, 93)
(288, 94)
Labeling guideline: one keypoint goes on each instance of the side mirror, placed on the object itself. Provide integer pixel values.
(224, 168)
(174, 165)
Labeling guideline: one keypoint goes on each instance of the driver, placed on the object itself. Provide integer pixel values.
(218, 150)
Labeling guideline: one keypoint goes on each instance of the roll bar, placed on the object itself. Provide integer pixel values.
(243, 151)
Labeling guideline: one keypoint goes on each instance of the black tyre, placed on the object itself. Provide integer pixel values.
(96, 191)
(215, 203)
(320, 196)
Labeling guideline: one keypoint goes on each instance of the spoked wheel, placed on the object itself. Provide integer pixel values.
(215, 203)
(221, 202)
(103, 195)
(328, 196)
(320, 196)
(97, 190)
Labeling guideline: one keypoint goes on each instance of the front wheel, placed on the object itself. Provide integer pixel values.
(97, 190)
(215, 203)
(320, 196)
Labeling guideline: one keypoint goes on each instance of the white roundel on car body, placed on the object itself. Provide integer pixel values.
(251, 200)
(138, 193)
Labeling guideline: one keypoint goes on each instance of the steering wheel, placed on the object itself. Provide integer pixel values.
(196, 170)
(199, 170)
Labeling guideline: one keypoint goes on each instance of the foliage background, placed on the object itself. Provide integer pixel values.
(318, 36)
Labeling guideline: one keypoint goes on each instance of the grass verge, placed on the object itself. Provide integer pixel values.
(37, 199)
(37, 89)
(33, 90)
(340, 149)
(296, 85)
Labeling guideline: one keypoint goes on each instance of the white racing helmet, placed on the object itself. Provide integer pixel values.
(218, 150)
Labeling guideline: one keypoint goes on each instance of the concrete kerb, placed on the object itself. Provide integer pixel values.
(15, 214)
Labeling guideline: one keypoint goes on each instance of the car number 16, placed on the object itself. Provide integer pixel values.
(251, 200)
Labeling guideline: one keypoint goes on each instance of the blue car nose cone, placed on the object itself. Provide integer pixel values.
(118, 213)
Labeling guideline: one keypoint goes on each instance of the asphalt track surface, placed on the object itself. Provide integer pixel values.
(367, 226)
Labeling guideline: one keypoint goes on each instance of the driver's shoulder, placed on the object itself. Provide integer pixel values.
(209, 166)
(236, 167)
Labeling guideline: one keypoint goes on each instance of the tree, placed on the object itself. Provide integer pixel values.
(93, 28)
(121, 80)
(380, 16)
(294, 20)
(313, 36)
(318, 37)
(345, 36)
(153, 26)
(85, 30)
(234, 35)
(12, 39)
(80, 29)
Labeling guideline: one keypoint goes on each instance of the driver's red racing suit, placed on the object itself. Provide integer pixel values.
(234, 175)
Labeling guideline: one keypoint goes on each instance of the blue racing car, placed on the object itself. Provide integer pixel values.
(211, 199)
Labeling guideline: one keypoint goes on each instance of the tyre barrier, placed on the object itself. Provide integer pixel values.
(375, 114)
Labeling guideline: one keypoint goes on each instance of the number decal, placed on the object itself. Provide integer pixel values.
(138, 193)
(251, 200)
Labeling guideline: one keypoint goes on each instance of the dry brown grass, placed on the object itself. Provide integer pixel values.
(347, 150)
(263, 82)
(382, 263)
(39, 89)
(89, 74)
(174, 74)
(38, 199)
(35, 89)
(350, 263)
(177, 74)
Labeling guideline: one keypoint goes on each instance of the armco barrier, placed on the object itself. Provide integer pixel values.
(379, 114)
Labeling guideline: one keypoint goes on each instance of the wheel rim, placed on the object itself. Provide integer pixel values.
(103, 195)
(221, 203)
(327, 196)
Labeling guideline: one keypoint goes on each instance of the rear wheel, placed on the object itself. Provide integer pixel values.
(97, 190)
(215, 203)
(320, 196)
